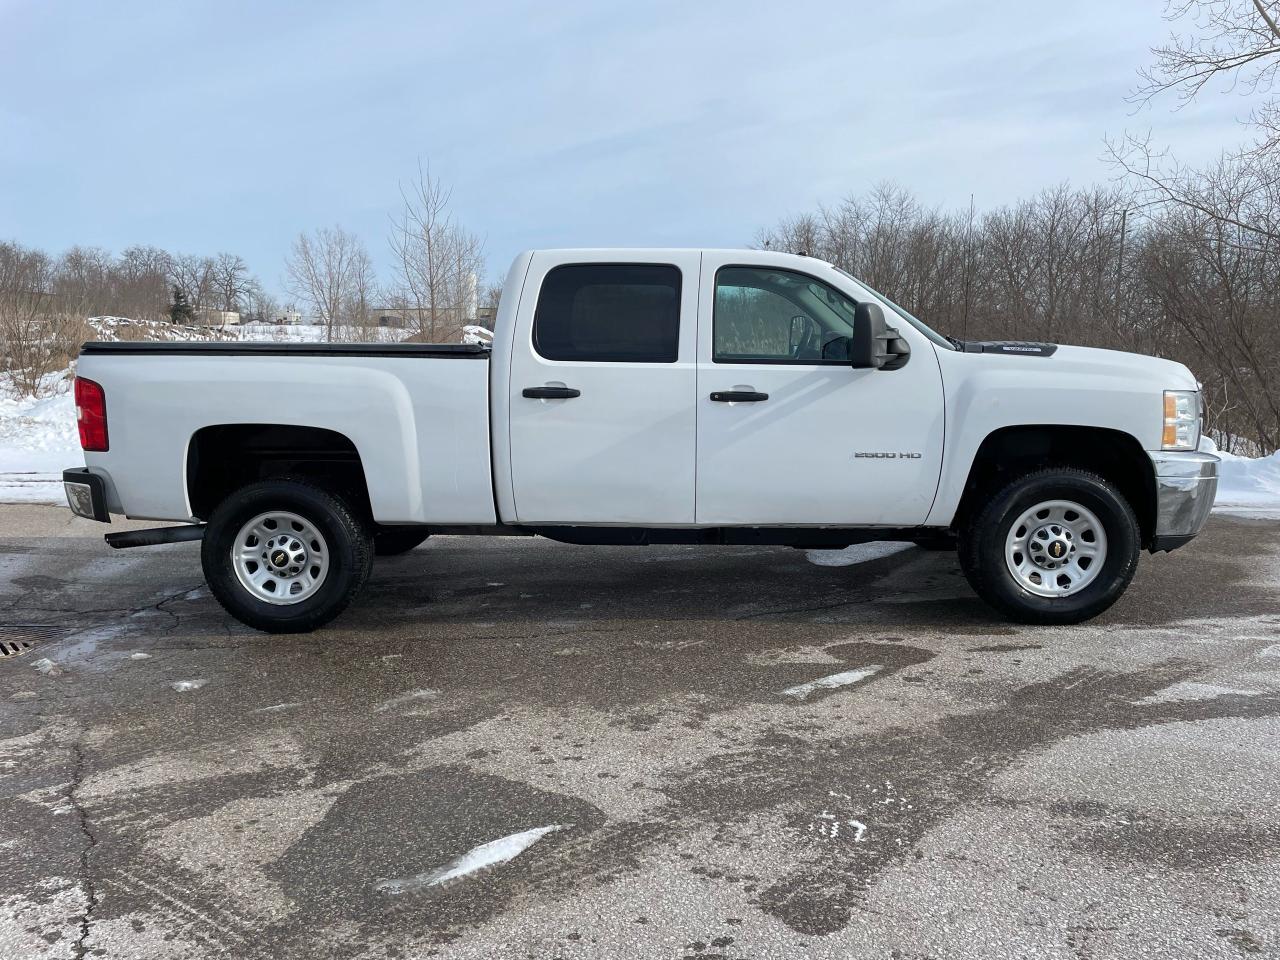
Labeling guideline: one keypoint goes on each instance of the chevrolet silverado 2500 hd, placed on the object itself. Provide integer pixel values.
(649, 396)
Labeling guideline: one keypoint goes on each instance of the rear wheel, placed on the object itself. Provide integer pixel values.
(392, 541)
(1056, 546)
(285, 556)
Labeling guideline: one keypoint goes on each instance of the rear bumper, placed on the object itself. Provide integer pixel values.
(86, 494)
(1186, 484)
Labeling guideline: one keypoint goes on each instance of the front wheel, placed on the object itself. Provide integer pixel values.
(1053, 547)
(285, 556)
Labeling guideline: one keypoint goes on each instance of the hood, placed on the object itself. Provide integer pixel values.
(1169, 374)
(1092, 360)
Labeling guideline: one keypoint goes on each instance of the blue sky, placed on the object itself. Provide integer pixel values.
(202, 127)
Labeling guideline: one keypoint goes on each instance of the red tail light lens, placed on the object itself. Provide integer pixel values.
(91, 411)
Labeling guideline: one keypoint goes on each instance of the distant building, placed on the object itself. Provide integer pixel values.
(447, 326)
(287, 317)
(448, 321)
(205, 317)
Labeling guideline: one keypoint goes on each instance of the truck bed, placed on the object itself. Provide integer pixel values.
(418, 420)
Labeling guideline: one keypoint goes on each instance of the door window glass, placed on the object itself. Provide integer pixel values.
(610, 312)
(764, 315)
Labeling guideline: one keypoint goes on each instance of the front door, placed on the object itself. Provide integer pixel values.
(602, 412)
(788, 432)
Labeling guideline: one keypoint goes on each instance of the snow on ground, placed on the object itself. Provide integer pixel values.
(802, 691)
(477, 858)
(858, 553)
(1248, 486)
(38, 438)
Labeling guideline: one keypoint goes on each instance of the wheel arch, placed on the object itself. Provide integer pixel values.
(221, 458)
(1014, 451)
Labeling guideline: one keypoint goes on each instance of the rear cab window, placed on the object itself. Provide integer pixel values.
(609, 313)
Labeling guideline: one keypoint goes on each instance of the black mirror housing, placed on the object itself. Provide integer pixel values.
(875, 345)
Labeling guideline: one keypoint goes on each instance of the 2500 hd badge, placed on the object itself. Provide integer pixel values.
(885, 455)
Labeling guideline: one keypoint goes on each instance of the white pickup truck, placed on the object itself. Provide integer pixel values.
(649, 396)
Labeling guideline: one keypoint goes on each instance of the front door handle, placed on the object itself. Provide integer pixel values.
(738, 396)
(550, 393)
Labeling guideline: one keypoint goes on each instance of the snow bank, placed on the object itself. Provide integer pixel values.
(1249, 482)
(38, 438)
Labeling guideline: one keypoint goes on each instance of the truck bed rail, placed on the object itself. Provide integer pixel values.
(220, 348)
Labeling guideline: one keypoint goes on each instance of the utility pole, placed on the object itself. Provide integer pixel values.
(968, 268)
(1124, 225)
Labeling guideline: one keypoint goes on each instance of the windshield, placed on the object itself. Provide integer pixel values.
(920, 325)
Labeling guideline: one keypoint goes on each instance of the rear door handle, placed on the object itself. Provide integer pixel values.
(738, 396)
(550, 393)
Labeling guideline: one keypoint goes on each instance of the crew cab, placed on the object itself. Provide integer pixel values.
(649, 396)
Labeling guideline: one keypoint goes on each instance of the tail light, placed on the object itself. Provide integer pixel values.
(91, 412)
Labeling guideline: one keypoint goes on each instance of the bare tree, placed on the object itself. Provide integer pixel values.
(230, 280)
(40, 328)
(142, 289)
(194, 276)
(437, 261)
(1238, 42)
(1086, 266)
(331, 273)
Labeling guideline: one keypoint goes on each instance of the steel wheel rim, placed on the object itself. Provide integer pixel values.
(280, 558)
(1056, 548)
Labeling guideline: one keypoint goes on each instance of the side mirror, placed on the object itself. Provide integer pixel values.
(875, 345)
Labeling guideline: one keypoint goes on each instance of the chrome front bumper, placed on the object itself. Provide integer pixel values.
(1186, 484)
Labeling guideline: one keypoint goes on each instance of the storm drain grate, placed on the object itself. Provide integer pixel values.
(17, 638)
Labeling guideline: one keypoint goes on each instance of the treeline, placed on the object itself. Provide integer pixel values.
(45, 300)
(142, 283)
(1093, 267)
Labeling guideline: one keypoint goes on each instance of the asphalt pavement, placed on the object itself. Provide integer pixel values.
(516, 748)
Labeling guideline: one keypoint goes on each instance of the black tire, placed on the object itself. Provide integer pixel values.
(982, 547)
(346, 537)
(393, 541)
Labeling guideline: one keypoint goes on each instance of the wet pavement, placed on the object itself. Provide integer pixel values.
(695, 752)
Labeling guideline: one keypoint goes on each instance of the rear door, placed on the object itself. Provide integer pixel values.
(602, 389)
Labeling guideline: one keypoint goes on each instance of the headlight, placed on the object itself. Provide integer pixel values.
(1181, 420)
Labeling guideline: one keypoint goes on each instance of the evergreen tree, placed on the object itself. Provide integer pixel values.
(180, 311)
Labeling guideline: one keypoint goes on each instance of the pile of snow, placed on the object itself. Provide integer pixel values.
(834, 682)
(477, 335)
(122, 328)
(487, 855)
(38, 438)
(858, 553)
(1247, 483)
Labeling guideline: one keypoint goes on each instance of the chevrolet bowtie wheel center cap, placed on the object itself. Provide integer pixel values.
(285, 556)
(1056, 548)
(280, 557)
(1050, 546)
